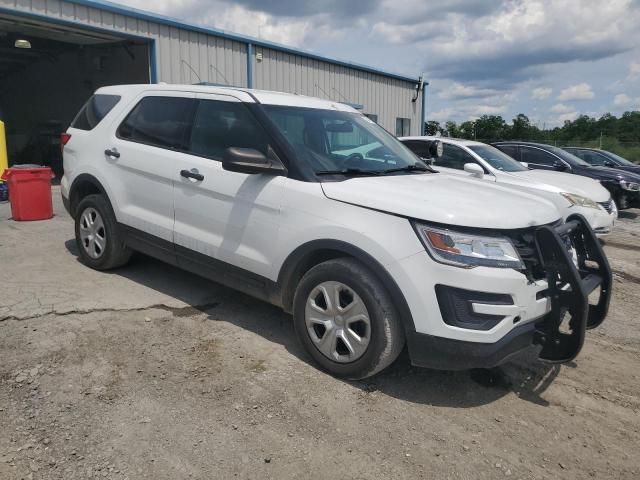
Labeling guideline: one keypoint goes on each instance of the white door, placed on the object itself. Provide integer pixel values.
(226, 216)
(142, 151)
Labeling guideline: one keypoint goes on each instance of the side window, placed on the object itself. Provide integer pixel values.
(219, 125)
(511, 150)
(577, 153)
(593, 158)
(453, 157)
(92, 113)
(372, 116)
(421, 149)
(158, 121)
(537, 156)
(403, 127)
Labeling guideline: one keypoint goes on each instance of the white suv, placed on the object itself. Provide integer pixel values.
(261, 191)
(572, 194)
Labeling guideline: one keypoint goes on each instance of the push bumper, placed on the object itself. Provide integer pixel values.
(560, 333)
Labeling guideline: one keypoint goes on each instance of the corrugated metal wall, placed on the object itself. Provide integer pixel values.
(389, 98)
(188, 56)
(183, 56)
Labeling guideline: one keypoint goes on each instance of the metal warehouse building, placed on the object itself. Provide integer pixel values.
(55, 53)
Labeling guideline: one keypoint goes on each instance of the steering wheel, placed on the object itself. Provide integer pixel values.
(348, 162)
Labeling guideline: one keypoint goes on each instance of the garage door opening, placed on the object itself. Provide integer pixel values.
(47, 72)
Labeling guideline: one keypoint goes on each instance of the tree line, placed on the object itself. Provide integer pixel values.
(618, 134)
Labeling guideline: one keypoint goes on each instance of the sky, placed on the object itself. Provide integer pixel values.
(549, 59)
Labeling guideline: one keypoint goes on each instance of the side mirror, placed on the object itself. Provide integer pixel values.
(428, 161)
(248, 160)
(474, 169)
(559, 166)
(610, 164)
(524, 164)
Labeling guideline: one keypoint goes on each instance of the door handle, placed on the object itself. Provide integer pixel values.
(193, 173)
(113, 153)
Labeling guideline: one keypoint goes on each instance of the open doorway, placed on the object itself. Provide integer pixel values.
(47, 72)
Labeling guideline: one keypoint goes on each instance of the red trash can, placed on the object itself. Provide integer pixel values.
(29, 192)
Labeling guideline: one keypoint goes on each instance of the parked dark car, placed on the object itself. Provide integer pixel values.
(603, 158)
(624, 186)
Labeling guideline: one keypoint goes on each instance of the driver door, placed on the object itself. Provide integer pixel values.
(225, 219)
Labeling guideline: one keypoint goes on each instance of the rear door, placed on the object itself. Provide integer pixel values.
(144, 151)
(225, 219)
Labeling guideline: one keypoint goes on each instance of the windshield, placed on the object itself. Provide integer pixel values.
(618, 159)
(331, 141)
(570, 158)
(497, 159)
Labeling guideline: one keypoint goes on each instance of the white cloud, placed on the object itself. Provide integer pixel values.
(581, 91)
(457, 90)
(561, 108)
(634, 71)
(568, 117)
(541, 93)
(621, 100)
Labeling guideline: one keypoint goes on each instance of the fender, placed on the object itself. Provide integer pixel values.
(316, 251)
(80, 182)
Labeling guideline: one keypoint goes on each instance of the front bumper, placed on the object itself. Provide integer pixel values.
(558, 330)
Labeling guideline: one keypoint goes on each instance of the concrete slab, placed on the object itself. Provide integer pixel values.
(41, 274)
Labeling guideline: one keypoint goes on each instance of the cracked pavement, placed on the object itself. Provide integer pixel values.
(35, 282)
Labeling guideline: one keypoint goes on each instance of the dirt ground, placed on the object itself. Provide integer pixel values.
(150, 372)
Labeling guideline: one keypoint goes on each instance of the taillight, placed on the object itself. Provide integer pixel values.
(64, 139)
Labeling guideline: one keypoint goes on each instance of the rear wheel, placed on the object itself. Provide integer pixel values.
(97, 236)
(345, 319)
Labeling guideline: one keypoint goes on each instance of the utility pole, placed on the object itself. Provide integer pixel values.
(600, 139)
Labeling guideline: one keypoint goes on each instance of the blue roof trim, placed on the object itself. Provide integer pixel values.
(152, 17)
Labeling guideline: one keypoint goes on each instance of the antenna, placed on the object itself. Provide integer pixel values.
(321, 89)
(211, 66)
(339, 93)
(191, 68)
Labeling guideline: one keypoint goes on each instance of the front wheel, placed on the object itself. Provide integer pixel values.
(345, 319)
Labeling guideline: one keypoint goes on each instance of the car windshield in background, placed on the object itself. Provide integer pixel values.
(337, 142)
(619, 159)
(497, 159)
(570, 158)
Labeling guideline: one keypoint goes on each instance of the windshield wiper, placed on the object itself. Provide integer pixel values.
(416, 167)
(350, 171)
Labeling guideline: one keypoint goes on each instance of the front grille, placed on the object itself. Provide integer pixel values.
(525, 242)
(608, 206)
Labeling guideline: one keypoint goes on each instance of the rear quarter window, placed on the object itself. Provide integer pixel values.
(158, 121)
(96, 108)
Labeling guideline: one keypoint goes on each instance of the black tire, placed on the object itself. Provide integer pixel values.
(387, 336)
(115, 253)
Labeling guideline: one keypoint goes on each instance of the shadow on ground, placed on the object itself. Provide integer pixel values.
(524, 375)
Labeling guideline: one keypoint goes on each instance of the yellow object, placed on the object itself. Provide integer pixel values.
(4, 161)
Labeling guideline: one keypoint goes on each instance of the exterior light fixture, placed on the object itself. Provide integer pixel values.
(22, 43)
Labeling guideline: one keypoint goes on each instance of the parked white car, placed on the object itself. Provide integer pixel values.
(573, 194)
(254, 190)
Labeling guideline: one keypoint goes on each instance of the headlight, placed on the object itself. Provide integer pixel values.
(634, 187)
(579, 200)
(467, 250)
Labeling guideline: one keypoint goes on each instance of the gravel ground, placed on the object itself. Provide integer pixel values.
(150, 372)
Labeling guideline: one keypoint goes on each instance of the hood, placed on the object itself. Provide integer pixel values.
(446, 199)
(606, 173)
(561, 182)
